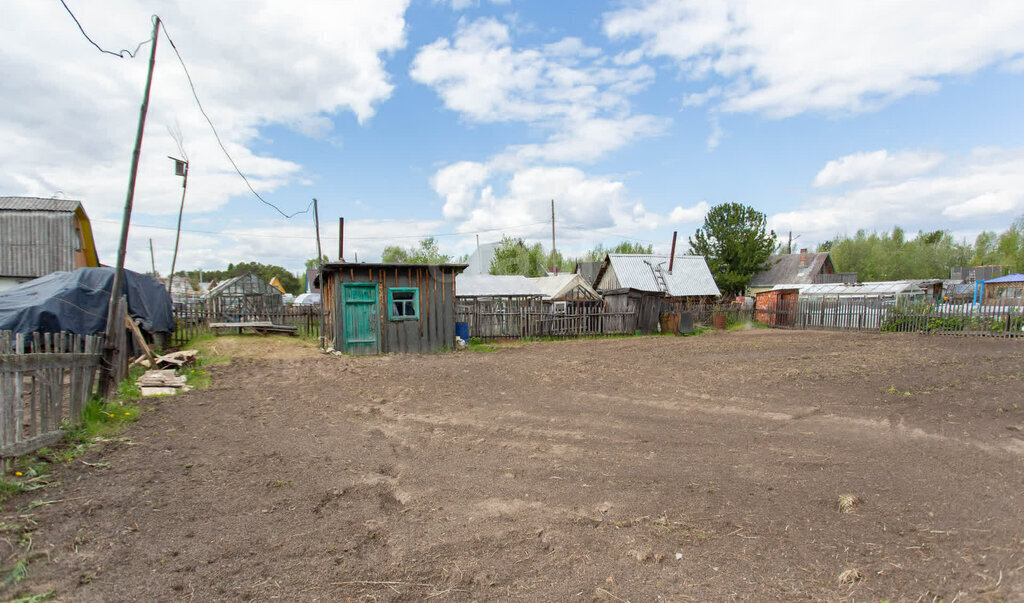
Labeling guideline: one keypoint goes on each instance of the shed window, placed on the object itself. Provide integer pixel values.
(403, 303)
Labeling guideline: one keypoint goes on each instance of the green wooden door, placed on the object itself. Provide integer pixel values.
(361, 326)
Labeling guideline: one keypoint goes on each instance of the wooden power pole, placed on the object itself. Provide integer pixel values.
(115, 288)
(554, 262)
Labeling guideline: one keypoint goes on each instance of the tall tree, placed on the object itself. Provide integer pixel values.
(736, 242)
(514, 256)
(426, 252)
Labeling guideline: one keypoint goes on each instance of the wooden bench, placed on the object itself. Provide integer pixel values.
(261, 327)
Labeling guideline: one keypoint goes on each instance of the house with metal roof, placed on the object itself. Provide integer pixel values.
(41, 236)
(797, 269)
(687, 276)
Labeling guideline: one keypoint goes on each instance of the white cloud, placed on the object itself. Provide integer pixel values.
(682, 215)
(980, 190)
(564, 88)
(70, 112)
(787, 57)
(876, 167)
(573, 95)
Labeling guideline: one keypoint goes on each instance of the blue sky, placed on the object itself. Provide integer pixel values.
(466, 117)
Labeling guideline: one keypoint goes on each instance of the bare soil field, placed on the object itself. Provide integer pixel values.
(757, 465)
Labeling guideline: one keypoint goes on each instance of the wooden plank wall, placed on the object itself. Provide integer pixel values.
(45, 380)
(435, 329)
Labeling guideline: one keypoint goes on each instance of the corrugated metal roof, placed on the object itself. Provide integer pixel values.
(1009, 278)
(38, 204)
(690, 274)
(37, 236)
(492, 285)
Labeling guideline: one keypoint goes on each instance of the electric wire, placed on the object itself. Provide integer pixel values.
(216, 135)
(119, 55)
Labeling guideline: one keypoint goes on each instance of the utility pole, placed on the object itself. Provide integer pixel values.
(152, 260)
(789, 245)
(554, 262)
(672, 254)
(319, 270)
(115, 288)
(180, 169)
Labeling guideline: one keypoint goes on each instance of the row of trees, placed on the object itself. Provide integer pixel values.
(291, 283)
(884, 256)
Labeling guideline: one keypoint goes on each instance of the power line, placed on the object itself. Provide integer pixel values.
(277, 236)
(199, 103)
(119, 55)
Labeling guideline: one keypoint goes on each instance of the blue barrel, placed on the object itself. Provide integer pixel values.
(462, 330)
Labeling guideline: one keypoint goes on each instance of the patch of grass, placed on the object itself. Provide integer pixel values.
(897, 392)
(206, 345)
(10, 487)
(698, 331)
(745, 326)
(476, 344)
(49, 595)
(17, 573)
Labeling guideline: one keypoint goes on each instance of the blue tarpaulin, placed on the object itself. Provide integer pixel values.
(76, 302)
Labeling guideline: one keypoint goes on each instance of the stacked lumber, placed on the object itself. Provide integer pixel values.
(174, 359)
(157, 382)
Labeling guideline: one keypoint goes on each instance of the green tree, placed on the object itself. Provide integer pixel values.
(514, 256)
(736, 243)
(426, 252)
(599, 251)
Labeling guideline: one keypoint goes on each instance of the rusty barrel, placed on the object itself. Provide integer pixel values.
(719, 321)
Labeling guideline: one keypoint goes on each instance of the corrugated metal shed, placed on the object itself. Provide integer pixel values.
(493, 285)
(690, 276)
(38, 236)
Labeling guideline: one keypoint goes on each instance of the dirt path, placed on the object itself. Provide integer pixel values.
(631, 469)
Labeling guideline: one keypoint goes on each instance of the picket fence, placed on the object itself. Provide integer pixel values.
(894, 316)
(46, 380)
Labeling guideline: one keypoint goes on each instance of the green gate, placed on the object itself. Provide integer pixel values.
(361, 327)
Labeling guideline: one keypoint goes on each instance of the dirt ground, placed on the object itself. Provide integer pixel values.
(700, 468)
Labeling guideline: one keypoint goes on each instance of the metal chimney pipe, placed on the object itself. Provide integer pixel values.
(672, 255)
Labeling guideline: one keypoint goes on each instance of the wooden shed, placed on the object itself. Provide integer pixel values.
(382, 308)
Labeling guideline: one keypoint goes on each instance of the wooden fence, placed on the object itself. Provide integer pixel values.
(543, 320)
(46, 379)
(192, 322)
(893, 316)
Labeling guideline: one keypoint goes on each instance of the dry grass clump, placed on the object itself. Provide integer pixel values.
(847, 502)
(850, 576)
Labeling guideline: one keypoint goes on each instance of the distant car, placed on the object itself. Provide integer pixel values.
(307, 299)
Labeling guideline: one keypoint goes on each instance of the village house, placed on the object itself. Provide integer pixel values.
(798, 269)
(41, 236)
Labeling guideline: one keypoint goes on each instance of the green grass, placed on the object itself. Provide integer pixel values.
(49, 595)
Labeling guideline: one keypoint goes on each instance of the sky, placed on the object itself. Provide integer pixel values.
(465, 118)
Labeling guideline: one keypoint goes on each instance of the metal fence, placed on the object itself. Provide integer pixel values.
(46, 379)
(893, 316)
(193, 322)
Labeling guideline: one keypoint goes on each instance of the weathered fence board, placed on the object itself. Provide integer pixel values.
(43, 385)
